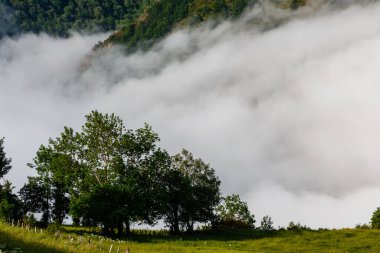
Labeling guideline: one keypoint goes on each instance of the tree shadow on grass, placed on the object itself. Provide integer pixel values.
(10, 242)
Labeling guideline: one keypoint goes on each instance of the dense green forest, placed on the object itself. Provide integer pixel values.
(138, 24)
(60, 17)
(161, 17)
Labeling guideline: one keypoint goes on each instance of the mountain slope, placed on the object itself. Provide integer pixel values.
(59, 17)
(138, 23)
(161, 17)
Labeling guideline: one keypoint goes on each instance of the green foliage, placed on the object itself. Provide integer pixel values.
(234, 213)
(60, 17)
(266, 224)
(5, 163)
(192, 192)
(106, 175)
(375, 220)
(140, 23)
(36, 198)
(10, 204)
(160, 17)
(297, 226)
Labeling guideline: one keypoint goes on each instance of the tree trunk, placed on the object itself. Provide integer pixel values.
(175, 224)
(127, 227)
(190, 226)
(120, 228)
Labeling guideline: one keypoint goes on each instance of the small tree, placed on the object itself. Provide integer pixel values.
(10, 204)
(5, 163)
(375, 220)
(266, 223)
(235, 213)
(297, 226)
(191, 192)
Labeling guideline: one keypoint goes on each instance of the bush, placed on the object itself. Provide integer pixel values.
(266, 224)
(297, 226)
(54, 228)
(375, 220)
(363, 226)
(234, 213)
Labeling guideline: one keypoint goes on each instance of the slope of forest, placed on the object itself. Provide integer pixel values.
(138, 23)
(161, 17)
(60, 17)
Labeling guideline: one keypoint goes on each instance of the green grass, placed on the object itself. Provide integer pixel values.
(74, 240)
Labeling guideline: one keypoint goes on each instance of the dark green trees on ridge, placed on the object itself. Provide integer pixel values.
(139, 23)
(60, 17)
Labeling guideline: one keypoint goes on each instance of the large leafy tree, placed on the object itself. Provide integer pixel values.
(192, 192)
(110, 176)
(106, 173)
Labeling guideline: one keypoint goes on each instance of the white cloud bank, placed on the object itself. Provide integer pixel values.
(289, 118)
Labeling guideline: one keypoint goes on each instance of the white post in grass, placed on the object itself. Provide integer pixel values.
(12, 222)
(35, 230)
(117, 249)
(110, 248)
(127, 251)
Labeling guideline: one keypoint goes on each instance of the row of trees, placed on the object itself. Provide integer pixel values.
(58, 17)
(144, 19)
(160, 17)
(108, 176)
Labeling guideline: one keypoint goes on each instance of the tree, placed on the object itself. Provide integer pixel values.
(192, 192)
(10, 204)
(266, 223)
(233, 212)
(375, 220)
(297, 226)
(123, 162)
(5, 163)
(35, 198)
(105, 174)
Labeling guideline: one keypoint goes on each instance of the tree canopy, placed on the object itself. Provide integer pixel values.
(5, 163)
(233, 212)
(111, 176)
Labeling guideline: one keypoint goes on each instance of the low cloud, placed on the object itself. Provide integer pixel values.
(287, 116)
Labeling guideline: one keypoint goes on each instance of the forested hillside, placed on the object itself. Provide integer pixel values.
(138, 23)
(161, 17)
(57, 17)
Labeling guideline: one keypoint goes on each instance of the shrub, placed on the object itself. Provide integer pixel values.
(297, 226)
(375, 220)
(266, 223)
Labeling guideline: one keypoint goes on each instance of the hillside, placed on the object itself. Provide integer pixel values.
(59, 18)
(161, 17)
(138, 24)
(21, 240)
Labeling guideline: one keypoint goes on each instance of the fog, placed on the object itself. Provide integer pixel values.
(284, 106)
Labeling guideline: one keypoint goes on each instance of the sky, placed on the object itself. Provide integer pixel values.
(285, 107)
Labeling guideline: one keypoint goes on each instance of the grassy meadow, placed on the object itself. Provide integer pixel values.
(13, 239)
